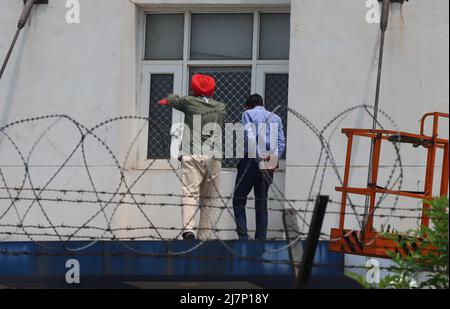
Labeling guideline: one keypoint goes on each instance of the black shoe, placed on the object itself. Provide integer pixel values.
(188, 236)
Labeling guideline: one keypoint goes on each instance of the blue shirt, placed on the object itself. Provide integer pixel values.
(258, 120)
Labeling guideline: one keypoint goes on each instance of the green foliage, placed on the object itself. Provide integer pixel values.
(360, 279)
(431, 267)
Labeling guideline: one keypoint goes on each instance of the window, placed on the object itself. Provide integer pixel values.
(164, 37)
(274, 36)
(159, 137)
(247, 52)
(221, 36)
(276, 94)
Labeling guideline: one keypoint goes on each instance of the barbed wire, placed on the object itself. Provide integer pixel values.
(39, 197)
(163, 204)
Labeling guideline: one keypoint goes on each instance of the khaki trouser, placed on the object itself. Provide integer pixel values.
(200, 181)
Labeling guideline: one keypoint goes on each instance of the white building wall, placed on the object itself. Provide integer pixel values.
(89, 72)
(85, 71)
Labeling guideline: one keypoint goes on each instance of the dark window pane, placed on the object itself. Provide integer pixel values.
(274, 36)
(233, 88)
(159, 138)
(221, 36)
(164, 37)
(276, 97)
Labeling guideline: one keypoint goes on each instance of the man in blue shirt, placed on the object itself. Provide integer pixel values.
(264, 144)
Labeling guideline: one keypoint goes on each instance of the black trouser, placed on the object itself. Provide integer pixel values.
(249, 177)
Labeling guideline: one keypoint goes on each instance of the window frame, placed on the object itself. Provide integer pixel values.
(143, 161)
(255, 63)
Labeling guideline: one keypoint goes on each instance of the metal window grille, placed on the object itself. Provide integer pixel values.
(276, 94)
(234, 86)
(159, 138)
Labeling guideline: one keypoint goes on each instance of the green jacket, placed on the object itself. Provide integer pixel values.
(200, 111)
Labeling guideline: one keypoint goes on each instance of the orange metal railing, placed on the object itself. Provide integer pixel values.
(369, 242)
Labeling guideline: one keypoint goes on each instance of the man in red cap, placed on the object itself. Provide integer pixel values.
(201, 154)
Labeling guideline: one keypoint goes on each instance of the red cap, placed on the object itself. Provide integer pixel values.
(203, 85)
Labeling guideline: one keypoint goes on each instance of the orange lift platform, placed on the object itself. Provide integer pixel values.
(369, 242)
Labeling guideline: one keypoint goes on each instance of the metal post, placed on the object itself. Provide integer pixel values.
(311, 243)
(348, 161)
(444, 177)
(293, 233)
(373, 183)
(383, 27)
(22, 22)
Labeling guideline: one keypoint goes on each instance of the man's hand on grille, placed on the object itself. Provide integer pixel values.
(163, 101)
